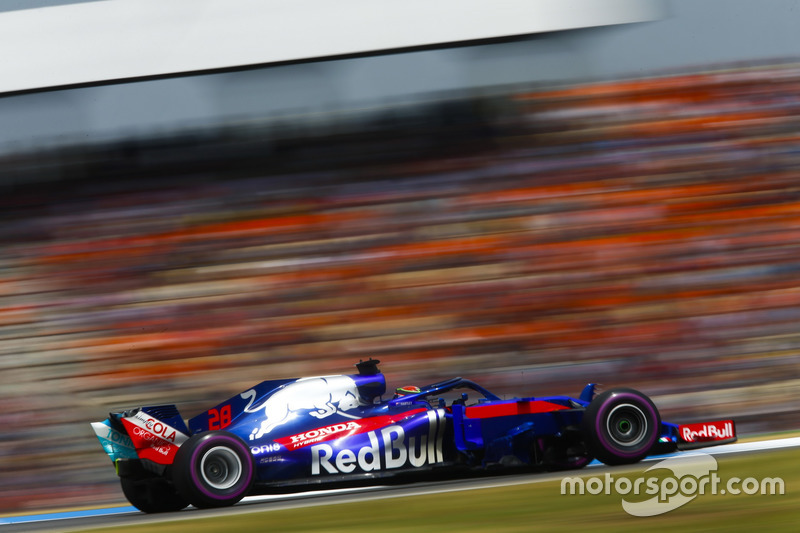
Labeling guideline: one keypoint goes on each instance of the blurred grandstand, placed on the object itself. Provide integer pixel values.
(642, 232)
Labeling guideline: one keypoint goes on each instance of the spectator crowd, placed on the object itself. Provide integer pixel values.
(643, 233)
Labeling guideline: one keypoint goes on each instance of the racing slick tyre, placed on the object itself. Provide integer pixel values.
(620, 426)
(152, 494)
(213, 469)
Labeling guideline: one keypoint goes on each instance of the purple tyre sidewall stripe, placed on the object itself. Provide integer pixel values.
(194, 471)
(637, 401)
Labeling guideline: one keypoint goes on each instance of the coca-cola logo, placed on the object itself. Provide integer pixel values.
(153, 439)
(159, 428)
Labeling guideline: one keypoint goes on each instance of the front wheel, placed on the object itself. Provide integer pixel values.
(213, 469)
(621, 426)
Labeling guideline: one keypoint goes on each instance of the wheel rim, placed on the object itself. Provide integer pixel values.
(626, 425)
(221, 468)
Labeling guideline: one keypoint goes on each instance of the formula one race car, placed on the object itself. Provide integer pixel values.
(296, 433)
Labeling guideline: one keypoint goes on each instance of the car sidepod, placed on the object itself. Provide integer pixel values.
(516, 432)
(380, 442)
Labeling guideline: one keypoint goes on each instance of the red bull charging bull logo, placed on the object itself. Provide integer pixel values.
(319, 397)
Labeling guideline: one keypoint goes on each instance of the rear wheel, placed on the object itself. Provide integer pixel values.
(152, 494)
(213, 469)
(621, 426)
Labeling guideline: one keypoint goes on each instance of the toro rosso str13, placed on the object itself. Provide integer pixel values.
(299, 432)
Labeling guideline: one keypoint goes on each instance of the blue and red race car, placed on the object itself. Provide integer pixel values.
(298, 433)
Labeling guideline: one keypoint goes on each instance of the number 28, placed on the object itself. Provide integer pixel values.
(219, 418)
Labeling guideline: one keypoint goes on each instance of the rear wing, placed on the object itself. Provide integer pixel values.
(151, 433)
